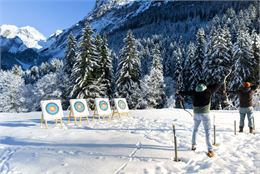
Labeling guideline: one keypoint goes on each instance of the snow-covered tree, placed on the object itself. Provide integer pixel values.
(256, 53)
(245, 62)
(197, 63)
(155, 81)
(178, 74)
(218, 62)
(106, 69)
(70, 59)
(128, 73)
(84, 73)
(17, 70)
(48, 87)
(187, 71)
(11, 92)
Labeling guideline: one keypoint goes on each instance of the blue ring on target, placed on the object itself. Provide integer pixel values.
(79, 106)
(121, 104)
(52, 108)
(103, 105)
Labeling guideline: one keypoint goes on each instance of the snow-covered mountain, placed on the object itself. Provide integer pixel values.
(170, 19)
(14, 39)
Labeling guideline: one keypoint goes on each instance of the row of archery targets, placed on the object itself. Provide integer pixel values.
(52, 110)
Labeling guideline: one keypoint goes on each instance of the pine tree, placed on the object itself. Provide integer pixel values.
(197, 63)
(244, 59)
(155, 81)
(85, 67)
(107, 69)
(178, 74)
(218, 62)
(256, 53)
(70, 59)
(187, 71)
(128, 73)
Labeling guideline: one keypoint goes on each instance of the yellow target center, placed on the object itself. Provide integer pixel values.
(52, 108)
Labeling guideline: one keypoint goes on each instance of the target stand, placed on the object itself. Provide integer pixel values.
(102, 108)
(51, 110)
(78, 109)
(121, 107)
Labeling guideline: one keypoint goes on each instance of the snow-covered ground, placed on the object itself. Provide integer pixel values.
(139, 143)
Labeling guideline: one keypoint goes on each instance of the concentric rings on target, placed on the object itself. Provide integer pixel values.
(121, 104)
(79, 106)
(52, 108)
(103, 105)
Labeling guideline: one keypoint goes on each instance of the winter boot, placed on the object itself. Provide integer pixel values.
(193, 147)
(251, 130)
(210, 154)
(240, 129)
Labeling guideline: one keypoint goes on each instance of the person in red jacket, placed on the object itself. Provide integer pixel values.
(201, 97)
(246, 105)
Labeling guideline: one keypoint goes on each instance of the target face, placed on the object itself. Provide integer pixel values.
(103, 105)
(79, 106)
(121, 104)
(52, 108)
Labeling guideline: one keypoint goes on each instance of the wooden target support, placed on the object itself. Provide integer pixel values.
(102, 108)
(121, 107)
(78, 109)
(51, 111)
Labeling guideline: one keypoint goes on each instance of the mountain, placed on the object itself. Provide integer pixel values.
(171, 20)
(14, 39)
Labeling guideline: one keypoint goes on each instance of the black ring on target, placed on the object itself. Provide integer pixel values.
(121, 104)
(103, 105)
(79, 106)
(52, 108)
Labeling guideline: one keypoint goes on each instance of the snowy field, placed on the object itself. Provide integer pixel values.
(141, 143)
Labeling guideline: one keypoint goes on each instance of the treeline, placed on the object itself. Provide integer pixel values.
(147, 72)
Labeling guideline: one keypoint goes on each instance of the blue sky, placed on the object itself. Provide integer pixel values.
(45, 15)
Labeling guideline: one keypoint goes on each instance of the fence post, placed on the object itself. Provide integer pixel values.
(175, 144)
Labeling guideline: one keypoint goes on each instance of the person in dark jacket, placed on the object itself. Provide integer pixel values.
(246, 105)
(201, 97)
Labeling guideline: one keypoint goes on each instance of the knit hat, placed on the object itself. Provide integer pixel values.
(200, 87)
(246, 84)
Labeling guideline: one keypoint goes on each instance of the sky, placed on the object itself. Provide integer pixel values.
(46, 16)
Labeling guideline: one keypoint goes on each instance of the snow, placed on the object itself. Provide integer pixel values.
(139, 143)
(29, 35)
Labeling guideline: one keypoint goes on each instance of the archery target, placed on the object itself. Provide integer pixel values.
(79, 107)
(51, 109)
(103, 106)
(121, 105)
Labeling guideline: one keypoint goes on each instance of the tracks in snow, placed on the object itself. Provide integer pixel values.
(4, 160)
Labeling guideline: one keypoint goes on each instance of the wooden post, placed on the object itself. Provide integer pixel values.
(214, 131)
(175, 144)
(235, 127)
(253, 125)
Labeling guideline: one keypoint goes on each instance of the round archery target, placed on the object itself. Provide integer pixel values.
(79, 106)
(51, 109)
(103, 105)
(121, 104)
